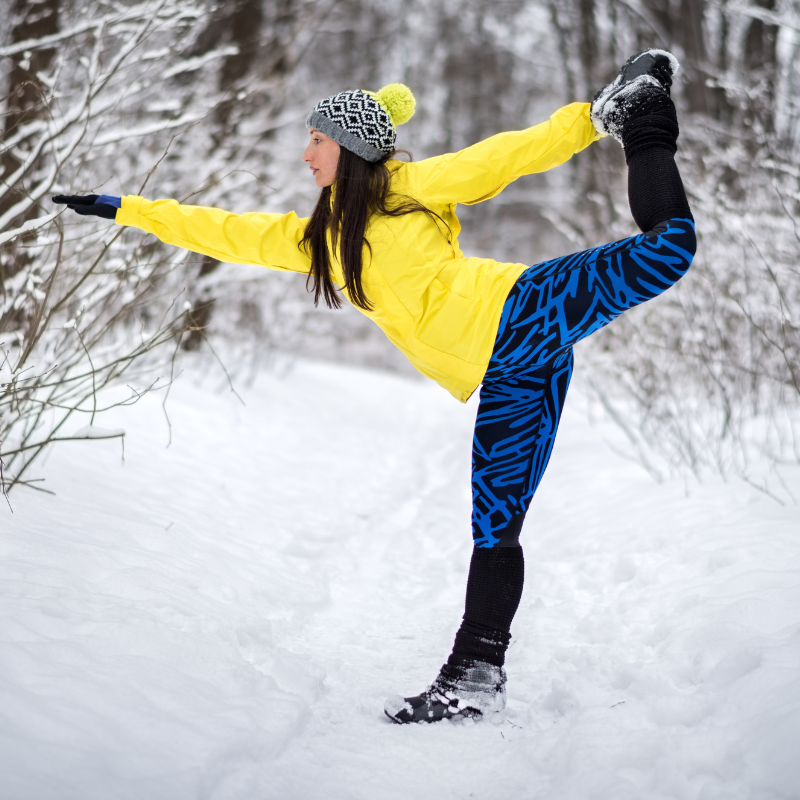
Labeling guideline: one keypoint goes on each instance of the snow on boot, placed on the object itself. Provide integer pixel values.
(648, 71)
(462, 693)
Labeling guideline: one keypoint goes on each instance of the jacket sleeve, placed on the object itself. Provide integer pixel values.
(485, 169)
(268, 240)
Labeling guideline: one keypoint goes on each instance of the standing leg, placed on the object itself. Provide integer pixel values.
(515, 430)
(514, 434)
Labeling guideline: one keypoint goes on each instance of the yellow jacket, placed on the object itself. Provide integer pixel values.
(439, 307)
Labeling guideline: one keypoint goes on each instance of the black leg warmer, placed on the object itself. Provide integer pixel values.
(655, 189)
(494, 589)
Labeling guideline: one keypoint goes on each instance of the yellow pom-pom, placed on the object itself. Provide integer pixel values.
(398, 102)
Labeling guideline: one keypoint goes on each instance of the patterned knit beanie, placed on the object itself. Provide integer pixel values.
(364, 122)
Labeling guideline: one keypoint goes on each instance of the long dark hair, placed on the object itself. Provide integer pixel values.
(362, 188)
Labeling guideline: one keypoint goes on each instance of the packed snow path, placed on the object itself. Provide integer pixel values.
(224, 618)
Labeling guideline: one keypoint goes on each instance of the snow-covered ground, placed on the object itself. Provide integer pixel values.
(223, 618)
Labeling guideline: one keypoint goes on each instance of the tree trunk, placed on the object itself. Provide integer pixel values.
(26, 100)
(759, 64)
(239, 22)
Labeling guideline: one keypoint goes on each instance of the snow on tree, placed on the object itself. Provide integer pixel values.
(214, 94)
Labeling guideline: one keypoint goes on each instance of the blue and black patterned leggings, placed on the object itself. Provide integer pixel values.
(552, 306)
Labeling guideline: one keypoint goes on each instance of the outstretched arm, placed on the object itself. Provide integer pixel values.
(269, 240)
(486, 168)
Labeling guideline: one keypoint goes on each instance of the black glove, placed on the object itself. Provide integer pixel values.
(91, 205)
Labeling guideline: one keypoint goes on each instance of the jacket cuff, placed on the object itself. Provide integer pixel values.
(597, 134)
(128, 212)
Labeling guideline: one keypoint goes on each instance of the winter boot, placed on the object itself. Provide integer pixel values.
(643, 73)
(457, 693)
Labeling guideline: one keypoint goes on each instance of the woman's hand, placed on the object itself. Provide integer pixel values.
(91, 205)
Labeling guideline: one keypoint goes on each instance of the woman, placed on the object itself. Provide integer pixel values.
(384, 234)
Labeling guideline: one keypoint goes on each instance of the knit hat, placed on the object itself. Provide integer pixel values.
(364, 122)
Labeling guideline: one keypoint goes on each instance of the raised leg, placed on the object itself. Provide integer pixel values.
(557, 303)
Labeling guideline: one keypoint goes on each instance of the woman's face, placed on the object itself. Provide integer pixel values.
(322, 155)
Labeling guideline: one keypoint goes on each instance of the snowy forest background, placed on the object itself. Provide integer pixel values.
(205, 102)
